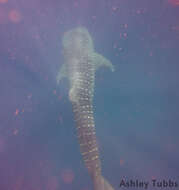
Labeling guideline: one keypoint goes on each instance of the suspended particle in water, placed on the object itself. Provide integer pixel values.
(16, 112)
(15, 16)
(121, 162)
(67, 176)
(125, 35)
(3, 1)
(125, 25)
(115, 8)
(15, 132)
(54, 92)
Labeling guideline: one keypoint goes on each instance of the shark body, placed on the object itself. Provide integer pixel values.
(80, 64)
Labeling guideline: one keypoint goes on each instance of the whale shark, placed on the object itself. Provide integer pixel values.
(80, 64)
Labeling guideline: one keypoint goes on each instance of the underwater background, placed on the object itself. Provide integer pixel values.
(136, 107)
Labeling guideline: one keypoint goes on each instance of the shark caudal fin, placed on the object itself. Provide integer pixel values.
(100, 183)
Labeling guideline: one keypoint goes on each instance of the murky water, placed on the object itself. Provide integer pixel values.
(135, 108)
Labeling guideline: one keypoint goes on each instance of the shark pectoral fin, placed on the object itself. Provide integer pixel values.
(99, 61)
(62, 73)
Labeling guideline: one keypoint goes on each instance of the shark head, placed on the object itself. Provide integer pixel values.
(77, 40)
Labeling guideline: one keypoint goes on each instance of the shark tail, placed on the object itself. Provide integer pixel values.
(100, 183)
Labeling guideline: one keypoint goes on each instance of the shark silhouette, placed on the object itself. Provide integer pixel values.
(80, 63)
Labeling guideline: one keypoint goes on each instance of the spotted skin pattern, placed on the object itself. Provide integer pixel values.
(83, 114)
(80, 65)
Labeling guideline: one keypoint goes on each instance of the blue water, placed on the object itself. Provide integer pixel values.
(136, 107)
